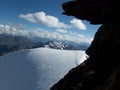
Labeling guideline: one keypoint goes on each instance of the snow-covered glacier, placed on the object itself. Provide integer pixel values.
(36, 69)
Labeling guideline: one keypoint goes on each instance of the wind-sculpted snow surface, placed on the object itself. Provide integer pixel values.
(36, 69)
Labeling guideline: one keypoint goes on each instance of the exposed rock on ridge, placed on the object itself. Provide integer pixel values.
(101, 71)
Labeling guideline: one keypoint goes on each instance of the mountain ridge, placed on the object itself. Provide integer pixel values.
(11, 43)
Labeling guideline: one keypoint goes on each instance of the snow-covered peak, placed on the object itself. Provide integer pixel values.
(58, 45)
(36, 69)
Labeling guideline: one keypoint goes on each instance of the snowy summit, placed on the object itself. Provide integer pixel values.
(36, 69)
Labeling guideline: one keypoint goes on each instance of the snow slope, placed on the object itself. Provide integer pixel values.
(36, 69)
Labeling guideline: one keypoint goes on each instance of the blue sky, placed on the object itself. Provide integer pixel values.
(43, 18)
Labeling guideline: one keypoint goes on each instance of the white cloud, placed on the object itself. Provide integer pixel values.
(29, 17)
(80, 36)
(52, 21)
(61, 30)
(42, 18)
(59, 34)
(78, 24)
(6, 29)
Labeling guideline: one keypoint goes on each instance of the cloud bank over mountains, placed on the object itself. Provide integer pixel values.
(59, 34)
(60, 29)
(52, 21)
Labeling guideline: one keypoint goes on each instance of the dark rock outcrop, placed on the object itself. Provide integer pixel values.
(95, 11)
(101, 71)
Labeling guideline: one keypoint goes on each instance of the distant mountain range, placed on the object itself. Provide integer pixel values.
(9, 43)
(65, 45)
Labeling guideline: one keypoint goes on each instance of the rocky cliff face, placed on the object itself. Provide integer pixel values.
(101, 71)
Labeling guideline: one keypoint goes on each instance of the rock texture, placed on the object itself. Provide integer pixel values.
(95, 11)
(101, 71)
